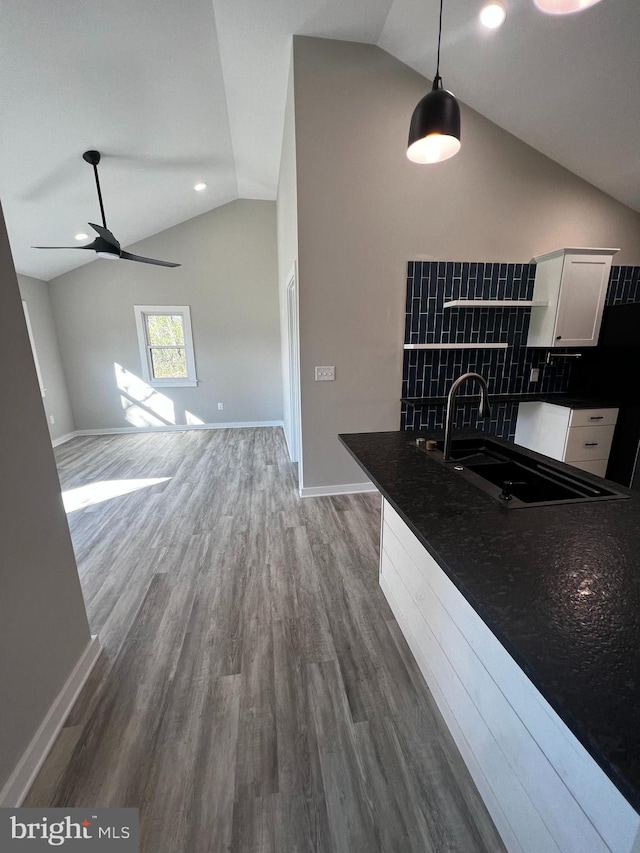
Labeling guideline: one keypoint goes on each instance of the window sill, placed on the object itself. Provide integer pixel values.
(172, 383)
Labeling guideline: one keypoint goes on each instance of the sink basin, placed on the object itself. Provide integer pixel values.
(490, 466)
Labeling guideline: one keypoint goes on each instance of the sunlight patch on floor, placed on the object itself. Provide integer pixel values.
(104, 490)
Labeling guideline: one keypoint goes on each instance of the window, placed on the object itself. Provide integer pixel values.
(166, 344)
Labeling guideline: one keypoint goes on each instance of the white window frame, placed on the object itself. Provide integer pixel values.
(141, 311)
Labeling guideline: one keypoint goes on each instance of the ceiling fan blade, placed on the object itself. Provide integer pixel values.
(106, 235)
(90, 246)
(127, 256)
(93, 245)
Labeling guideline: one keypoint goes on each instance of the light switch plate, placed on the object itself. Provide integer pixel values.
(534, 376)
(325, 374)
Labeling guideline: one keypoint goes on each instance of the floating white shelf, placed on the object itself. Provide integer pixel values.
(456, 346)
(494, 303)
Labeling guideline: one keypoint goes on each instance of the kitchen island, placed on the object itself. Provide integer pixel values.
(526, 626)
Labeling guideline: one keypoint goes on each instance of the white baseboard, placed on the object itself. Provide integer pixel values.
(61, 440)
(178, 427)
(288, 443)
(18, 785)
(327, 491)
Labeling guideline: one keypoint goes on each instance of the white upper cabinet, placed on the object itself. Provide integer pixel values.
(573, 283)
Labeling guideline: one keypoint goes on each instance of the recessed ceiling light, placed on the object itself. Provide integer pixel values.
(493, 15)
(199, 187)
(564, 7)
(81, 236)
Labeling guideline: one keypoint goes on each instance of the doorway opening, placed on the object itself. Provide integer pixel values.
(293, 342)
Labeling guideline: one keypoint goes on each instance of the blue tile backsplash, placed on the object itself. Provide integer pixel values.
(429, 373)
(430, 284)
(624, 285)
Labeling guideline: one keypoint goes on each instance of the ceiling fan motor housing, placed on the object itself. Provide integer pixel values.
(92, 157)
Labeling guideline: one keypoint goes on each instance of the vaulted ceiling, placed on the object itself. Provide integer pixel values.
(173, 93)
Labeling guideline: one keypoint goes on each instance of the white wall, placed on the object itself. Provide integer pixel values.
(43, 623)
(56, 400)
(287, 217)
(229, 279)
(364, 210)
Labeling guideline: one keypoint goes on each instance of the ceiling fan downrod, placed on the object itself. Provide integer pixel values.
(93, 158)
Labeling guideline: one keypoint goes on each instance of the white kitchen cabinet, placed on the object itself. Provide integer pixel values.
(573, 284)
(581, 437)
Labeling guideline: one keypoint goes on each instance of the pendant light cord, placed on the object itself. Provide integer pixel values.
(437, 83)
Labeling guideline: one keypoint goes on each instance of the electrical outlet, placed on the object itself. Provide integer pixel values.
(220, 407)
(52, 419)
(325, 374)
(534, 376)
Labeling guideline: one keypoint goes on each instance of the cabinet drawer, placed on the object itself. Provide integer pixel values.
(593, 417)
(597, 466)
(588, 442)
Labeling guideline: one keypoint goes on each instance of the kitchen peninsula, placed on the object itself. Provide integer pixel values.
(526, 626)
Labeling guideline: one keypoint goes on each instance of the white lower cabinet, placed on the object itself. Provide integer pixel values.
(543, 790)
(581, 437)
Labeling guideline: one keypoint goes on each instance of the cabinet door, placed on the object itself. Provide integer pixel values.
(582, 295)
(543, 427)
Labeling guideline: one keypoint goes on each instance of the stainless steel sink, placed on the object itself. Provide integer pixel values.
(517, 480)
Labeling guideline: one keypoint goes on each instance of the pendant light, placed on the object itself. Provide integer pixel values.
(434, 134)
(564, 7)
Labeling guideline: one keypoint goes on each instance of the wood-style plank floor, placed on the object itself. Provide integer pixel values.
(255, 693)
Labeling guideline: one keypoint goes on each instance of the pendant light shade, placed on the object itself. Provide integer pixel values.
(434, 134)
(564, 7)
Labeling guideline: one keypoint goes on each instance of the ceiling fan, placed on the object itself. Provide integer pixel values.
(105, 245)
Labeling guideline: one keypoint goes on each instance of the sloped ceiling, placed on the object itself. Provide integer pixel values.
(175, 93)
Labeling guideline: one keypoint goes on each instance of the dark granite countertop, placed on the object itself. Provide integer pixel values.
(557, 399)
(559, 586)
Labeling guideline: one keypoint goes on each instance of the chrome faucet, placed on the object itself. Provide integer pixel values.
(483, 412)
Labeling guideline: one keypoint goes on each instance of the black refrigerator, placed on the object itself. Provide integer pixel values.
(612, 371)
